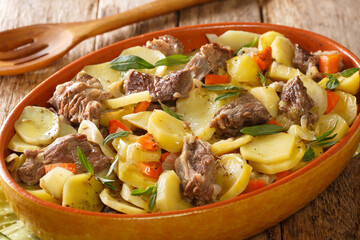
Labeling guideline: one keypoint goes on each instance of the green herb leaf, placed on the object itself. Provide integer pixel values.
(326, 134)
(349, 72)
(107, 182)
(139, 191)
(111, 169)
(115, 135)
(326, 144)
(309, 154)
(250, 44)
(152, 201)
(220, 87)
(173, 60)
(170, 112)
(126, 62)
(333, 82)
(265, 129)
(84, 161)
(149, 191)
(227, 95)
(262, 78)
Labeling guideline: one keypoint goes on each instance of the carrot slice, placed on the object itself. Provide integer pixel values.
(150, 169)
(281, 175)
(329, 63)
(68, 166)
(332, 99)
(148, 142)
(142, 106)
(272, 121)
(254, 184)
(114, 125)
(263, 58)
(216, 79)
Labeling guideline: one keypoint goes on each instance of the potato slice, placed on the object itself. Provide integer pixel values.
(234, 38)
(37, 125)
(233, 175)
(199, 117)
(82, 191)
(66, 129)
(350, 84)
(269, 98)
(261, 149)
(149, 55)
(53, 182)
(139, 119)
(236, 66)
(104, 73)
(346, 107)
(280, 72)
(18, 145)
(167, 131)
(168, 196)
(292, 161)
(135, 153)
(266, 39)
(116, 202)
(317, 152)
(42, 194)
(121, 145)
(327, 122)
(230, 144)
(282, 50)
(130, 174)
(317, 93)
(133, 98)
(135, 200)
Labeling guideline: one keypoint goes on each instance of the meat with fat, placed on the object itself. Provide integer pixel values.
(166, 44)
(196, 169)
(62, 150)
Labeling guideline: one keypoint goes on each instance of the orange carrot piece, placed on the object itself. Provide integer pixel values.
(150, 169)
(254, 184)
(142, 106)
(164, 156)
(272, 121)
(68, 166)
(216, 79)
(329, 63)
(263, 58)
(332, 99)
(148, 142)
(281, 175)
(114, 125)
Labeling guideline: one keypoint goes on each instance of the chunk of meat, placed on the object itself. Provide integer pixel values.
(197, 170)
(295, 102)
(166, 44)
(62, 150)
(242, 112)
(170, 87)
(80, 99)
(210, 58)
(304, 61)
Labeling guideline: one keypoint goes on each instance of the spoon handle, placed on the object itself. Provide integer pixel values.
(84, 30)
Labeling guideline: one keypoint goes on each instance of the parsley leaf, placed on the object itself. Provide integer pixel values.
(115, 135)
(349, 72)
(333, 81)
(309, 154)
(173, 60)
(126, 62)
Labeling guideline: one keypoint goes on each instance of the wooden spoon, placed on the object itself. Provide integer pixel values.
(30, 48)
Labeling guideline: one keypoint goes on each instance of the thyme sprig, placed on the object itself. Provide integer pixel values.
(149, 192)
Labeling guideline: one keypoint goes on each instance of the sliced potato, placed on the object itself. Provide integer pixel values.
(53, 182)
(130, 174)
(234, 38)
(16, 144)
(140, 119)
(149, 55)
(261, 149)
(135, 153)
(236, 66)
(168, 196)
(167, 131)
(350, 84)
(280, 72)
(135, 200)
(316, 93)
(269, 98)
(327, 122)
(292, 161)
(121, 145)
(66, 129)
(82, 191)
(103, 73)
(346, 107)
(116, 202)
(199, 117)
(266, 39)
(317, 152)
(37, 125)
(126, 100)
(233, 175)
(282, 50)
(230, 144)
(42, 194)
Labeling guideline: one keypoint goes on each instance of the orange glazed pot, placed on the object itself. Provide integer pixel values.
(235, 218)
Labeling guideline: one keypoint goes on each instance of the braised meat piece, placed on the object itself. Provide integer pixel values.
(210, 58)
(242, 112)
(80, 99)
(166, 44)
(197, 170)
(170, 87)
(304, 60)
(295, 102)
(62, 150)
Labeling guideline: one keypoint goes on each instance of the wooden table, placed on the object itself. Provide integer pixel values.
(335, 213)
